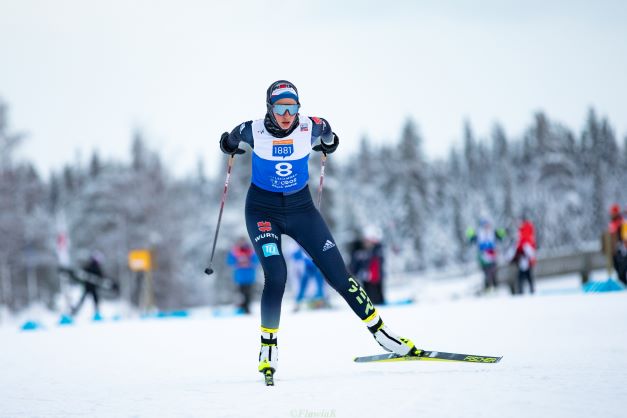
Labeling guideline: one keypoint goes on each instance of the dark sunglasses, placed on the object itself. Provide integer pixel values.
(280, 109)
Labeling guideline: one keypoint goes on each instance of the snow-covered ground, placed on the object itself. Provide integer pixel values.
(565, 355)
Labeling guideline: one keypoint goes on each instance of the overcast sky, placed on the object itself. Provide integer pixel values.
(80, 75)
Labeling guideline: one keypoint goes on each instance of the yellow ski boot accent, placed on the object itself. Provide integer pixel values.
(413, 351)
(263, 366)
(392, 342)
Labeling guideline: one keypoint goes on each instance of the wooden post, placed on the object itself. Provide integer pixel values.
(142, 261)
(149, 298)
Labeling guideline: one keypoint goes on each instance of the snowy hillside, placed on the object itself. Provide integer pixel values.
(564, 356)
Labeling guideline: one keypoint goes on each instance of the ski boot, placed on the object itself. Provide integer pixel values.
(389, 340)
(268, 354)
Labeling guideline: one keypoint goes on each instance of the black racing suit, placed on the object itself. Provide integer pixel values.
(269, 214)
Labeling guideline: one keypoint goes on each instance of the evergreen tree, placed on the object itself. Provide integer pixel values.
(69, 179)
(458, 192)
(201, 175)
(95, 166)
(503, 172)
(54, 193)
(365, 158)
(499, 144)
(413, 188)
(470, 154)
(138, 151)
(594, 150)
(8, 141)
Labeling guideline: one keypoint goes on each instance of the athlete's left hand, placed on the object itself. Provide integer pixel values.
(328, 148)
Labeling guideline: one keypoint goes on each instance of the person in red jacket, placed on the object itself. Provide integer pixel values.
(525, 256)
(620, 256)
(367, 263)
(616, 220)
(614, 229)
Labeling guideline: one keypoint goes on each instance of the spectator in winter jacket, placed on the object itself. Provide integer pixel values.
(616, 221)
(309, 271)
(244, 261)
(620, 256)
(614, 229)
(93, 268)
(367, 264)
(485, 238)
(525, 255)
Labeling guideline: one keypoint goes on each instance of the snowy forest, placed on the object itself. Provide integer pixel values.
(563, 178)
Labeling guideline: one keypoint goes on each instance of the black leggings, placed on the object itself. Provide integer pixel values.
(525, 275)
(89, 289)
(270, 214)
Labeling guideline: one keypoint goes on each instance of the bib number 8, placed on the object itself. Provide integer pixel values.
(283, 169)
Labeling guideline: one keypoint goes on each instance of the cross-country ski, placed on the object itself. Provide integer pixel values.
(429, 356)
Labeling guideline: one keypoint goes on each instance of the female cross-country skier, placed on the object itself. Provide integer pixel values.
(279, 202)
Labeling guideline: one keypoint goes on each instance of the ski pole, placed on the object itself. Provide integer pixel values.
(323, 164)
(209, 270)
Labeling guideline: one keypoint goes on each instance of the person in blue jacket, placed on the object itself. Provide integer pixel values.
(310, 271)
(485, 238)
(279, 202)
(244, 261)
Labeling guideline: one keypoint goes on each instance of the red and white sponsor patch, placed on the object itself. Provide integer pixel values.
(264, 226)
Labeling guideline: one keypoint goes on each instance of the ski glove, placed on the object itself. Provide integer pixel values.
(228, 148)
(328, 148)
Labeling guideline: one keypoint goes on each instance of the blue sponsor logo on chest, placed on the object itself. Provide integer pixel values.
(282, 147)
(270, 249)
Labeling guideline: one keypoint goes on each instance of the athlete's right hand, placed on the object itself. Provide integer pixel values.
(228, 148)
